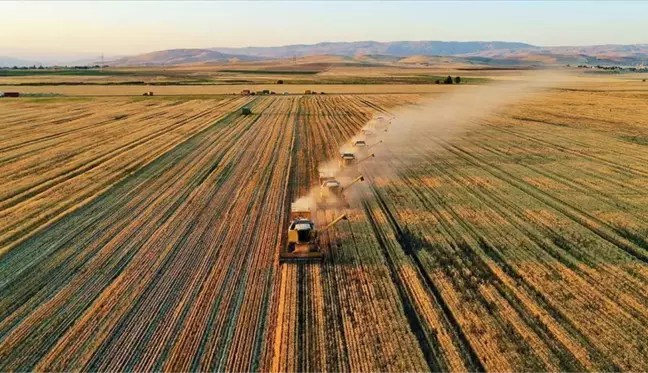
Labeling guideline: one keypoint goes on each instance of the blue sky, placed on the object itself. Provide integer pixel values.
(135, 27)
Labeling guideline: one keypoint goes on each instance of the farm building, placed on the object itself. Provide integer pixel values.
(245, 92)
(9, 94)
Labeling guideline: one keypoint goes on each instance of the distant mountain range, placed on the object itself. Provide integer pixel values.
(493, 53)
(396, 48)
(179, 57)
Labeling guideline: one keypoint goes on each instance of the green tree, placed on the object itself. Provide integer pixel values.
(458, 80)
(448, 80)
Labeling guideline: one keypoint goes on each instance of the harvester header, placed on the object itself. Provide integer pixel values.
(299, 211)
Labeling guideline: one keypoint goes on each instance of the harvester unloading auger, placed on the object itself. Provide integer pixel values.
(303, 237)
(372, 145)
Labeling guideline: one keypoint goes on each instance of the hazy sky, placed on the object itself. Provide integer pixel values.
(134, 27)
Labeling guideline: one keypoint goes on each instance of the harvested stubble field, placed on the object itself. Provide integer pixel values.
(144, 235)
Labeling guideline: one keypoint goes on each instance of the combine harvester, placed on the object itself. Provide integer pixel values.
(360, 146)
(348, 160)
(303, 237)
(332, 192)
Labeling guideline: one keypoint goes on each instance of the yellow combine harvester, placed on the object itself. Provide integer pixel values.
(303, 237)
(331, 192)
(349, 160)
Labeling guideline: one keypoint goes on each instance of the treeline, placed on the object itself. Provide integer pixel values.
(449, 80)
(613, 68)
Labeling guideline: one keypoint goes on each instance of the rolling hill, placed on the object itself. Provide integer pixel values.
(180, 57)
(397, 48)
(492, 53)
(495, 53)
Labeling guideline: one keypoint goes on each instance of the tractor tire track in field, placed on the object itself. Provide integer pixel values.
(567, 363)
(433, 357)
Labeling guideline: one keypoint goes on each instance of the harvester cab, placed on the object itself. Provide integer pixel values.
(347, 159)
(303, 243)
(360, 144)
(330, 189)
(326, 176)
(332, 193)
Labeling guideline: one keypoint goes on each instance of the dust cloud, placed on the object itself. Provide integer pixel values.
(399, 137)
(412, 130)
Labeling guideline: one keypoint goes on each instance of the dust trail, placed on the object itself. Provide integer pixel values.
(410, 129)
(397, 138)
